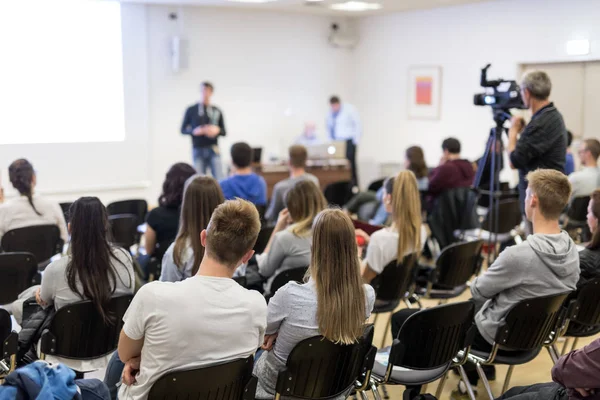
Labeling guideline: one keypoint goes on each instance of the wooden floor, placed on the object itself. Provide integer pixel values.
(537, 371)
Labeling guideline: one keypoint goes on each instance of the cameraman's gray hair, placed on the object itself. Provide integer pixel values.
(538, 83)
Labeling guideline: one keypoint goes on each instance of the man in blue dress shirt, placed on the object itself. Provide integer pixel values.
(343, 124)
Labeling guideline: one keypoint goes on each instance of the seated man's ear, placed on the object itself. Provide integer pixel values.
(247, 256)
(203, 238)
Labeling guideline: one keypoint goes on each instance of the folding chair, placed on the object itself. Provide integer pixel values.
(17, 271)
(263, 239)
(137, 207)
(9, 344)
(43, 241)
(124, 230)
(288, 275)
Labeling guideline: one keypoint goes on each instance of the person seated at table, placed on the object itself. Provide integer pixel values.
(333, 302)
(414, 161)
(309, 136)
(93, 270)
(244, 183)
(405, 236)
(29, 209)
(297, 166)
(162, 222)
(587, 179)
(289, 245)
(453, 171)
(201, 197)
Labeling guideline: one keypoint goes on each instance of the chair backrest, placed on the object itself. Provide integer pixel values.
(136, 207)
(320, 369)
(452, 210)
(289, 275)
(338, 193)
(577, 210)
(65, 207)
(9, 341)
(263, 239)
(5, 326)
(587, 307)
(529, 323)
(77, 330)
(124, 229)
(376, 185)
(16, 274)
(509, 216)
(367, 210)
(219, 382)
(241, 280)
(43, 241)
(396, 279)
(432, 337)
(457, 263)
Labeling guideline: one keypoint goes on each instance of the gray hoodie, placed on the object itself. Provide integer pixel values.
(540, 266)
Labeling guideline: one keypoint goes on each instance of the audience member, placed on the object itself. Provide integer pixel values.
(93, 270)
(289, 245)
(453, 171)
(569, 161)
(297, 165)
(406, 235)
(244, 183)
(201, 196)
(586, 180)
(576, 376)
(309, 136)
(333, 302)
(224, 322)
(589, 258)
(29, 209)
(163, 221)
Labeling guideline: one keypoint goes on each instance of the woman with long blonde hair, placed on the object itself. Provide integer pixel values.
(289, 245)
(334, 302)
(406, 235)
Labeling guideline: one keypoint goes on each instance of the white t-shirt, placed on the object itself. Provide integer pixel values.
(197, 322)
(383, 248)
(18, 213)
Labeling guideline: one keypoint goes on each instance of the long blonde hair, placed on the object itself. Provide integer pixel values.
(335, 269)
(406, 212)
(202, 194)
(304, 201)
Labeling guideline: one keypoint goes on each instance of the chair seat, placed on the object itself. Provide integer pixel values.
(509, 357)
(405, 376)
(382, 306)
(579, 330)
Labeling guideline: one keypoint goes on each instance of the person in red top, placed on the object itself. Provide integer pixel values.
(576, 376)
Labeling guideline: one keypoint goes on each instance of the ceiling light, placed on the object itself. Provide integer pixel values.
(355, 6)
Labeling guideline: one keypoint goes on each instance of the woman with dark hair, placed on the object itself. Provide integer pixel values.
(93, 270)
(589, 258)
(415, 161)
(201, 196)
(29, 209)
(163, 221)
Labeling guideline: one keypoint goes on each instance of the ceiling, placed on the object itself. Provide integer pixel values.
(388, 6)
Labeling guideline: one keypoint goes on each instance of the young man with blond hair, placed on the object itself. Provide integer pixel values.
(546, 263)
(204, 320)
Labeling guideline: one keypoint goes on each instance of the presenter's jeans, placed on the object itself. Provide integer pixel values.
(208, 157)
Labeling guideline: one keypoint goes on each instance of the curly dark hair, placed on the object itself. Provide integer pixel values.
(172, 190)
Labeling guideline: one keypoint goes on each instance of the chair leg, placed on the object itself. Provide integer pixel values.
(417, 299)
(386, 396)
(407, 303)
(363, 395)
(385, 332)
(375, 319)
(552, 350)
(507, 379)
(424, 389)
(438, 392)
(575, 341)
(485, 381)
(465, 379)
(375, 391)
(564, 349)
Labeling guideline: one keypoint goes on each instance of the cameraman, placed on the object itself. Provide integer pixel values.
(543, 142)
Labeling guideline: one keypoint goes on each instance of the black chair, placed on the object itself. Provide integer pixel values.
(393, 285)
(509, 217)
(338, 193)
(226, 381)
(375, 185)
(77, 330)
(367, 210)
(17, 271)
(8, 344)
(283, 277)
(65, 207)
(427, 346)
(137, 207)
(577, 218)
(319, 369)
(124, 230)
(241, 280)
(43, 241)
(453, 210)
(263, 239)
(454, 267)
(527, 328)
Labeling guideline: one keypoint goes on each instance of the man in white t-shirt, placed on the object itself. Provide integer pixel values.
(204, 320)
(586, 180)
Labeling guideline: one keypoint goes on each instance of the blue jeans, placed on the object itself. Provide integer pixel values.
(93, 389)
(205, 158)
(112, 377)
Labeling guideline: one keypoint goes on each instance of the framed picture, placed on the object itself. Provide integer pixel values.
(424, 92)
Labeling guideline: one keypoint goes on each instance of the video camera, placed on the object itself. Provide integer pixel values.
(503, 96)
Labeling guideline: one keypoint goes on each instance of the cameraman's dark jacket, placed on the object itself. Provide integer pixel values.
(452, 210)
(543, 144)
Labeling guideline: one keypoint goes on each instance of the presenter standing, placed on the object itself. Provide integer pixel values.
(343, 124)
(204, 122)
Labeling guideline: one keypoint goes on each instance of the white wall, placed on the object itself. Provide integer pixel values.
(461, 40)
(261, 64)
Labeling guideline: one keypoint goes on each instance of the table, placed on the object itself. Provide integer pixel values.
(327, 171)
